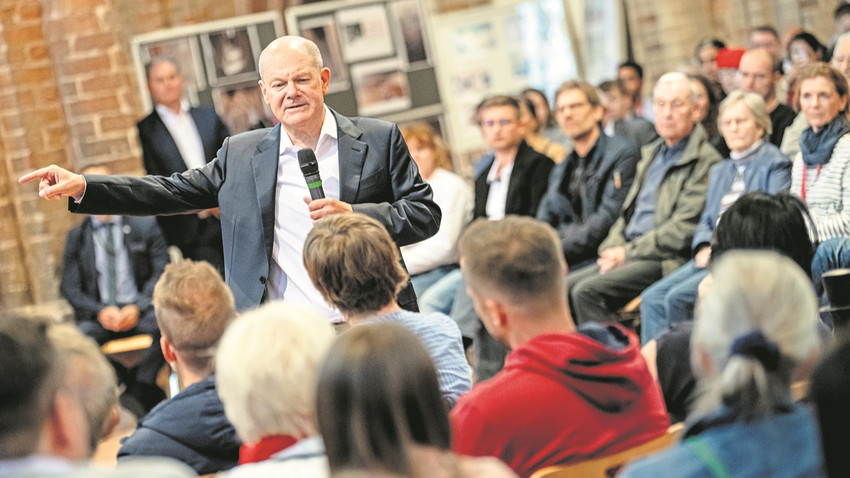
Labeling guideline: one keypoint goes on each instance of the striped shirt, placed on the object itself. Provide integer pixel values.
(441, 337)
(827, 190)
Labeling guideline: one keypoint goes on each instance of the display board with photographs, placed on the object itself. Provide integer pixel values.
(378, 53)
(218, 61)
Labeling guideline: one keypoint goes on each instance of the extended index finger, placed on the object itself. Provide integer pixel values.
(37, 174)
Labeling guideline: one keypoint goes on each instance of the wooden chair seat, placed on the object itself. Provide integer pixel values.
(607, 466)
(129, 350)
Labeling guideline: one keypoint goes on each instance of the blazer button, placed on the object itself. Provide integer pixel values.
(262, 280)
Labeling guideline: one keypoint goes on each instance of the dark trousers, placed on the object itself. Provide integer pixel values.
(596, 297)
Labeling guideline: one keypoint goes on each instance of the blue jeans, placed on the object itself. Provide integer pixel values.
(669, 301)
(423, 281)
(441, 295)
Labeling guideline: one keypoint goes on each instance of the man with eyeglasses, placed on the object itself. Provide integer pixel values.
(759, 73)
(515, 179)
(587, 190)
(652, 234)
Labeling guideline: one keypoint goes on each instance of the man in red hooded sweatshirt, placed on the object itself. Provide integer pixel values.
(566, 394)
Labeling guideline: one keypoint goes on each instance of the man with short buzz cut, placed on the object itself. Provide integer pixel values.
(759, 72)
(356, 267)
(587, 190)
(652, 234)
(257, 182)
(175, 137)
(193, 307)
(566, 394)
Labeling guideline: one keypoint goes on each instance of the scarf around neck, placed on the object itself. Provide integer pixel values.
(817, 147)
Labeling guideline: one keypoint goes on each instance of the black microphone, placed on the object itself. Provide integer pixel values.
(310, 170)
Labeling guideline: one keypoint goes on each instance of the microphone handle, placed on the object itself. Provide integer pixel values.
(314, 184)
(317, 193)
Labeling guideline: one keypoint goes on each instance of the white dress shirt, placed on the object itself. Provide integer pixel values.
(288, 279)
(497, 198)
(125, 284)
(185, 133)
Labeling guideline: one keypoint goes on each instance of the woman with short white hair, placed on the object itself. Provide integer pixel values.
(266, 370)
(756, 326)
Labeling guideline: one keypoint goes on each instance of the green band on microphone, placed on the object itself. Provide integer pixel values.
(315, 184)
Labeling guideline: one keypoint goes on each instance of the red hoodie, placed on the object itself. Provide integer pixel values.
(563, 398)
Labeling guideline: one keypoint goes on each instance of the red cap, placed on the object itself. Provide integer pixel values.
(729, 57)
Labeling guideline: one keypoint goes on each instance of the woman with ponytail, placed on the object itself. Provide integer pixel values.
(756, 328)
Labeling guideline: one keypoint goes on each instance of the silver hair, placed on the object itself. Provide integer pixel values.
(676, 77)
(267, 368)
(88, 376)
(752, 291)
(755, 105)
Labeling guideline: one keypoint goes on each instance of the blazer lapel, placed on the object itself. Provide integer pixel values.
(352, 155)
(264, 163)
(514, 204)
(87, 256)
(170, 153)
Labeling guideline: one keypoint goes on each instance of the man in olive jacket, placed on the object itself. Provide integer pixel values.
(652, 235)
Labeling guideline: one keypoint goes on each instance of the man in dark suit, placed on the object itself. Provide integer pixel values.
(515, 179)
(110, 267)
(587, 190)
(266, 211)
(176, 137)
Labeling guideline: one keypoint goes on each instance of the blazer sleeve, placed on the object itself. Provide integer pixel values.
(86, 306)
(412, 216)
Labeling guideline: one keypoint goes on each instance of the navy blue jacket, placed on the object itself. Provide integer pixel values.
(610, 173)
(191, 427)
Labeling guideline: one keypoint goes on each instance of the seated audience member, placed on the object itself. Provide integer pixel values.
(759, 73)
(431, 259)
(631, 74)
(266, 369)
(728, 61)
(110, 266)
(766, 37)
(820, 172)
(804, 49)
(755, 221)
(565, 394)
(355, 265)
(652, 234)
(754, 165)
(830, 387)
(59, 398)
(587, 190)
(705, 105)
(193, 307)
(545, 119)
(705, 54)
(755, 327)
(381, 413)
(620, 119)
(533, 134)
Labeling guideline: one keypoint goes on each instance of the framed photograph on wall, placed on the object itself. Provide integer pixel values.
(323, 32)
(241, 107)
(365, 33)
(410, 29)
(183, 51)
(380, 87)
(230, 55)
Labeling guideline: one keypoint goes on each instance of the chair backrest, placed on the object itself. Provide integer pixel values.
(607, 466)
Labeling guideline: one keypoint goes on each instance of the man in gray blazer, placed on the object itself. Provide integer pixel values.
(266, 211)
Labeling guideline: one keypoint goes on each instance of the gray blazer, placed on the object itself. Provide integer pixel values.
(377, 176)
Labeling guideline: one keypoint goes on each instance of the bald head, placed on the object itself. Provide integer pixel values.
(287, 44)
(758, 73)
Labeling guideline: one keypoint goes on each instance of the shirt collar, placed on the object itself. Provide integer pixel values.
(329, 130)
(739, 157)
(166, 111)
